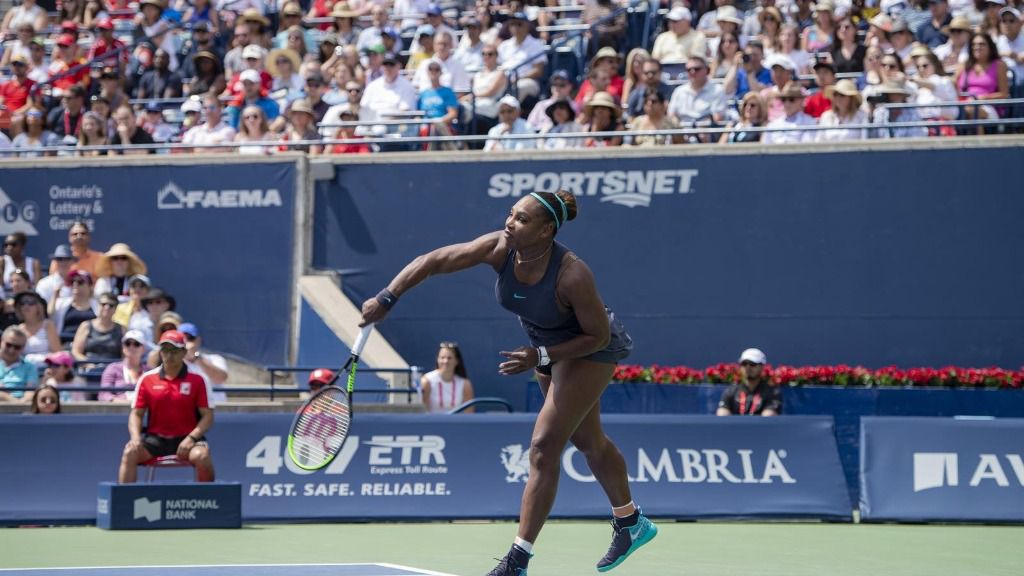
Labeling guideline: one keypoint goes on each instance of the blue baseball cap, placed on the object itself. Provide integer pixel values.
(433, 10)
(425, 29)
(189, 329)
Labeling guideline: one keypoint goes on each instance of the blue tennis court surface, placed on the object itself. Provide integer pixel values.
(231, 570)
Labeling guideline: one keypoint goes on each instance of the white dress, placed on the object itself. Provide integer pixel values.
(444, 395)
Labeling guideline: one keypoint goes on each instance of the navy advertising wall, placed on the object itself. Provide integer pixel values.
(941, 469)
(465, 466)
(218, 237)
(903, 257)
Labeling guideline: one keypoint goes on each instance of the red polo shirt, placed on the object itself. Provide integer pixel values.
(15, 94)
(173, 403)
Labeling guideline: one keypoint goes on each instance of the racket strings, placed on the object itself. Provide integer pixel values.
(321, 428)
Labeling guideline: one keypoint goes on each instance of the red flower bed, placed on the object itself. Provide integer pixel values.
(841, 375)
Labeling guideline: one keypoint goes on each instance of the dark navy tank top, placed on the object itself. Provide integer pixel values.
(546, 324)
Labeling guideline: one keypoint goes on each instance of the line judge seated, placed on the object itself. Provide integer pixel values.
(755, 395)
(179, 414)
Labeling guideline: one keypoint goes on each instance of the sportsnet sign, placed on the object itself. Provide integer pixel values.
(630, 188)
(942, 469)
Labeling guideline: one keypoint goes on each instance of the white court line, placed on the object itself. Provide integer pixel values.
(409, 568)
(187, 566)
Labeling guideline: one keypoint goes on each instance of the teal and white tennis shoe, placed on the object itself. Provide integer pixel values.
(625, 541)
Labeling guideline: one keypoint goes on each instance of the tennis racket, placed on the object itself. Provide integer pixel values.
(321, 425)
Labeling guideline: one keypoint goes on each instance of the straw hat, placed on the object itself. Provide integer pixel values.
(606, 52)
(728, 14)
(104, 266)
(603, 100)
(957, 23)
(825, 6)
(791, 90)
(253, 15)
(845, 87)
(301, 106)
(341, 10)
(920, 50)
(894, 87)
(288, 53)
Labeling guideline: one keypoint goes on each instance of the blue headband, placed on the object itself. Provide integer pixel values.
(551, 209)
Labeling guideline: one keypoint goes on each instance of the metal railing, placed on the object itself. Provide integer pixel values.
(409, 390)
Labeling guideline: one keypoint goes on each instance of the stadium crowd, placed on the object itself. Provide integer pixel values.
(88, 316)
(88, 73)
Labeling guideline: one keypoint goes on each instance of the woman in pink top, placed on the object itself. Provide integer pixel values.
(983, 76)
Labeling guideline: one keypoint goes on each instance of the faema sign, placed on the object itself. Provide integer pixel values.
(942, 469)
(173, 197)
(630, 188)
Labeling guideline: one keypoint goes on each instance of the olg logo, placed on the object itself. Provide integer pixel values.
(942, 469)
(17, 216)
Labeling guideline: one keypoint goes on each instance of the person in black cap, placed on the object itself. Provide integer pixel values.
(156, 303)
(561, 89)
(817, 103)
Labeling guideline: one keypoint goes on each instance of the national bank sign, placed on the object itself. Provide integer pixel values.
(630, 188)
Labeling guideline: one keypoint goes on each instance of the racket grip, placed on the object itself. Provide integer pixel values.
(364, 334)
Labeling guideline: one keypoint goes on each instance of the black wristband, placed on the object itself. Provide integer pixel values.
(194, 439)
(386, 299)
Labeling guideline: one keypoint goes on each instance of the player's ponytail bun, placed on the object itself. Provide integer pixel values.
(570, 203)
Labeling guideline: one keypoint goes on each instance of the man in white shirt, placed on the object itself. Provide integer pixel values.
(509, 122)
(514, 53)
(374, 35)
(698, 99)
(453, 74)
(1011, 41)
(214, 130)
(212, 367)
(680, 41)
(792, 97)
(471, 47)
(389, 93)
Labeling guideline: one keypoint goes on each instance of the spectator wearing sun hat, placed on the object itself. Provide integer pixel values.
(845, 109)
(115, 267)
(710, 21)
(212, 367)
(680, 40)
(606, 60)
(155, 303)
(127, 371)
(509, 123)
(60, 373)
(793, 116)
(895, 91)
(754, 395)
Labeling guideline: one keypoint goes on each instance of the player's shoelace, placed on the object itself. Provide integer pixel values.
(507, 566)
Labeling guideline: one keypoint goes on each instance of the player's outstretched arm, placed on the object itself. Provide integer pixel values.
(487, 249)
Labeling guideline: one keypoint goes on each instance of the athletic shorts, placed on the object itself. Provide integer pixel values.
(163, 445)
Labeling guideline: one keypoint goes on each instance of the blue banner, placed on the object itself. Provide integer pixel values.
(466, 466)
(218, 237)
(702, 256)
(942, 469)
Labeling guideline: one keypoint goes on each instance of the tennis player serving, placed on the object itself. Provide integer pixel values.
(575, 342)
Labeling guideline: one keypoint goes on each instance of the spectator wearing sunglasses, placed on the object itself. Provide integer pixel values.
(650, 72)
(698, 99)
(15, 371)
(80, 307)
(214, 129)
(60, 373)
(15, 258)
(447, 385)
(128, 370)
(793, 116)
(212, 367)
(114, 269)
(100, 338)
(55, 284)
(754, 395)
(40, 332)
